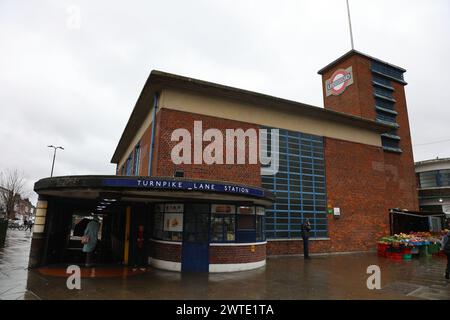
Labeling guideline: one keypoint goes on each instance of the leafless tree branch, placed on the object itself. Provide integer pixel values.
(12, 185)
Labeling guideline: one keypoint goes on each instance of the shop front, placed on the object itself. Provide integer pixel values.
(214, 237)
(188, 226)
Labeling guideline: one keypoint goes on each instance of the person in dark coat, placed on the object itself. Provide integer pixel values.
(306, 228)
(446, 249)
(141, 252)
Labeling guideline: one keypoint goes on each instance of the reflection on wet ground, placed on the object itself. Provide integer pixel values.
(288, 277)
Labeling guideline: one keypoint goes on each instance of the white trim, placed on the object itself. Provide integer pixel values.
(223, 244)
(165, 265)
(38, 228)
(167, 242)
(275, 256)
(233, 267)
(299, 239)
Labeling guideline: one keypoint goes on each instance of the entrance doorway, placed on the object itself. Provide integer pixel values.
(67, 220)
(195, 247)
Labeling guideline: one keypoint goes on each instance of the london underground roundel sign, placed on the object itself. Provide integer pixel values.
(339, 81)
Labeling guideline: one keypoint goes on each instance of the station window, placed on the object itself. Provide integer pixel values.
(227, 222)
(137, 158)
(436, 178)
(168, 221)
(223, 221)
(129, 165)
(246, 218)
(260, 212)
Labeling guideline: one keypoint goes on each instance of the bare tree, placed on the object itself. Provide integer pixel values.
(12, 185)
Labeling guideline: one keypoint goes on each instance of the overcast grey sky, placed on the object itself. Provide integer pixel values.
(75, 84)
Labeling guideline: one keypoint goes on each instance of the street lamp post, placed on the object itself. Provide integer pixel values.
(54, 156)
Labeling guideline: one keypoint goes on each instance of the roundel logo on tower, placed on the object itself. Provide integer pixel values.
(339, 81)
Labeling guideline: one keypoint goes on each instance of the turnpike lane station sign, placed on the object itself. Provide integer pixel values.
(339, 81)
(167, 184)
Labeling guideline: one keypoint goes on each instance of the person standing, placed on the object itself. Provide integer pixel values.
(446, 249)
(306, 228)
(90, 240)
(141, 253)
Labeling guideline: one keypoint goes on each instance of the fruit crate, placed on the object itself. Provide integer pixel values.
(423, 251)
(407, 257)
(394, 255)
(434, 248)
(382, 249)
(407, 250)
(415, 250)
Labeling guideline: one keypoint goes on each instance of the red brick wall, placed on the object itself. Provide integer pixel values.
(296, 247)
(169, 120)
(165, 251)
(357, 99)
(398, 168)
(356, 180)
(217, 254)
(236, 254)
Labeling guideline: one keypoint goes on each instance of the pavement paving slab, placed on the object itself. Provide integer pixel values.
(338, 276)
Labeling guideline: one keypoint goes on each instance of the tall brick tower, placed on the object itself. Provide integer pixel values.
(364, 86)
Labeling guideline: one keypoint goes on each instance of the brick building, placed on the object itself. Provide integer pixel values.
(342, 167)
(433, 179)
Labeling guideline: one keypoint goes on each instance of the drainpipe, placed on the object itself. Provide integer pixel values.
(152, 141)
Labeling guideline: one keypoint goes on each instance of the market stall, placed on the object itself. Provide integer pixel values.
(404, 246)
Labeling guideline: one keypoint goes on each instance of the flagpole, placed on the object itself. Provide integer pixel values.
(350, 25)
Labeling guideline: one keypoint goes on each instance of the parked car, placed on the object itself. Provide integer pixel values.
(15, 223)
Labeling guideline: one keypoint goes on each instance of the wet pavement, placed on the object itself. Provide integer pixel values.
(288, 277)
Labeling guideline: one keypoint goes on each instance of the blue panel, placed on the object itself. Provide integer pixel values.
(299, 187)
(245, 236)
(195, 257)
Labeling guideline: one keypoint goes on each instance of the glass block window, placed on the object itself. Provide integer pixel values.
(383, 92)
(385, 104)
(299, 187)
(386, 117)
(392, 144)
(387, 70)
(379, 80)
(382, 76)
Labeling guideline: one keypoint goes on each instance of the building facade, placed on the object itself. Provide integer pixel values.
(433, 179)
(342, 167)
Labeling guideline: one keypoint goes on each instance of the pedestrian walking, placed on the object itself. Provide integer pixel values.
(446, 249)
(29, 226)
(89, 240)
(306, 228)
